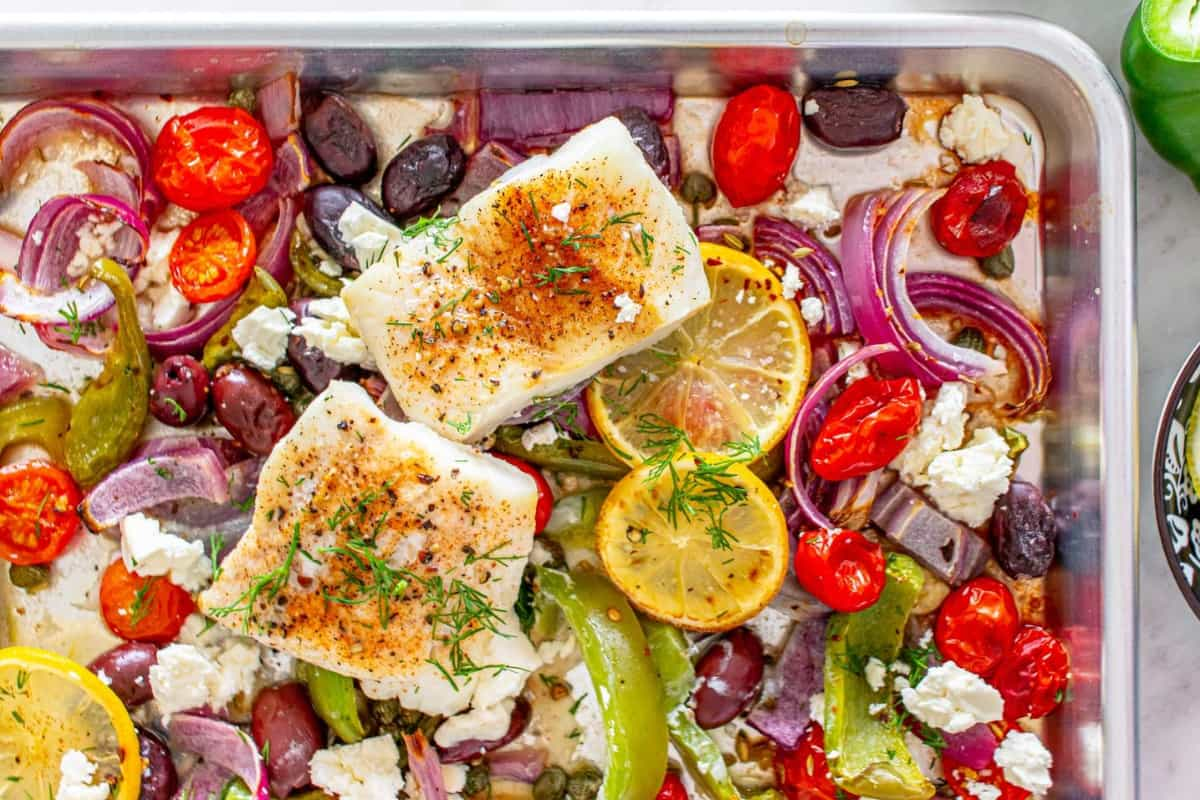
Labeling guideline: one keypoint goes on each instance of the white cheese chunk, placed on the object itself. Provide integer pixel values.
(966, 483)
(147, 551)
(1026, 762)
(792, 282)
(974, 130)
(813, 310)
(262, 336)
(772, 628)
(875, 673)
(541, 434)
(368, 770)
(627, 309)
(592, 746)
(186, 678)
(814, 208)
(983, 791)
(77, 772)
(845, 349)
(483, 724)
(328, 328)
(816, 707)
(952, 699)
(942, 429)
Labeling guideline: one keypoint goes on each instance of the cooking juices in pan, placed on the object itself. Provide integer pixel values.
(563, 444)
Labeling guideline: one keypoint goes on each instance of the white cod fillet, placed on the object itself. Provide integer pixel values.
(348, 490)
(531, 291)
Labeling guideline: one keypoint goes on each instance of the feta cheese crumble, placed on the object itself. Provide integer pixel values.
(816, 707)
(628, 310)
(966, 483)
(942, 429)
(1026, 762)
(983, 791)
(845, 349)
(327, 327)
(814, 208)
(484, 724)
(974, 130)
(561, 212)
(811, 106)
(363, 230)
(952, 699)
(147, 551)
(592, 745)
(813, 311)
(771, 627)
(369, 770)
(875, 673)
(186, 678)
(262, 336)
(791, 282)
(77, 773)
(540, 434)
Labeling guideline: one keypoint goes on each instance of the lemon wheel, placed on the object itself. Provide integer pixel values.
(50, 705)
(737, 368)
(709, 568)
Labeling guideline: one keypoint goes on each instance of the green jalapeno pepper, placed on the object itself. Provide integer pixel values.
(335, 701)
(110, 414)
(629, 692)
(563, 455)
(38, 420)
(1161, 60)
(263, 290)
(306, 268)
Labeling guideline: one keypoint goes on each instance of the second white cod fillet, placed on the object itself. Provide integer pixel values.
(562, 266)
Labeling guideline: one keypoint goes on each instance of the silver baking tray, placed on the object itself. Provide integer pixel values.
(1087, 201)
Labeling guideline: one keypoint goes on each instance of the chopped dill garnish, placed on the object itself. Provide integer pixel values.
(271, 583)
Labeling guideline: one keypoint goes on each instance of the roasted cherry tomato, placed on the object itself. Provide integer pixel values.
(803, 773)
(843, 569)
(961, 777)
(672, 788)
(213, 256)
(976, 625)
(142, 609)
(867, 426)
(545, 500)
(982, 211)
(755, 143)
(37, 512)
(1033, 674)
(212, 158)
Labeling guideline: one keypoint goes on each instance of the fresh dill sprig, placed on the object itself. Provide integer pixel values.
(216, 543)
(76, 329)
(553, 275)
(271, 583)
(386, 581)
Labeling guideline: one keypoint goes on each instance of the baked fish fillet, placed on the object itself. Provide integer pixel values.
(376, 542)
(565, 264)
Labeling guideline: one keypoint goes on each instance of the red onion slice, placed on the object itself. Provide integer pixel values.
(517, 116)
(206, 782)
(522, 765)
(17, 374)
(783, 711)
(972, 748)
(109, 180)
(223, 744)
(782, 243)
(473, 748)
(425, 766)
(278, 104)
(485, 166)
(149, 481)
(294, 171)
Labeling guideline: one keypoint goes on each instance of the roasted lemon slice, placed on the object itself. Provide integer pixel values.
(698, 542)
(50, 705)
(735, 370)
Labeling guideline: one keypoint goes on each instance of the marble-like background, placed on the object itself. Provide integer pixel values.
(1168, 271)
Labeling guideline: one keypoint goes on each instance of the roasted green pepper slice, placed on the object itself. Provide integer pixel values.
(334, 699)
(630, 695)
(38, 420)
(572, 523)
(263, 290)
(1161, 60)
(584, 456)
(110, 414)
(305, 267)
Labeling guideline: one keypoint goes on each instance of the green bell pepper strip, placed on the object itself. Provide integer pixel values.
(1161, 60)
(263, 290)
(335, 701)
(306, 269)
(112, 409)
(38, 420)
(629, 693)
(702, 756)
(564, 455)
(572, 523)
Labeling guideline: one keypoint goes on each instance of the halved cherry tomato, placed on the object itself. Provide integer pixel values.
(867, 426)
(545, 497)
(960, 777)
(843, 569)
(212, 158)
(976, 625)
(982, 211)
(1033, 675)
(803, 773)
(672, 788)
(37, 512)
(142, 609)
(755, 143)
(213, 256)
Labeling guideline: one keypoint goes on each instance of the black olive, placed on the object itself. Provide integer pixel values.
(339, 138)
(854, 116)
(649, 139)
(1024, 530)
(323, 207)
(422, 174)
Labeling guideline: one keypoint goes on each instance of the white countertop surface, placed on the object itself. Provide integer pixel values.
(1168, 268)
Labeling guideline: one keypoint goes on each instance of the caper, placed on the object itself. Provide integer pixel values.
(244, 99)
(1017, 442)
(697, 188)
(970, 338)
(287, 380)
(1000, 265)
(29, 577)
(585, 783)
(479, 780)
(550, 785)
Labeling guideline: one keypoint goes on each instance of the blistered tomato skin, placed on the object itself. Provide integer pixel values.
(37, 512)
(982, 211)
(843, 569)
(1033, 675)
(545, 497)
(214, 157)
(976, 625)
(755, 143)
(672, 788)
(213, 256)
(867, 426)
(142, 609)
(803, 773)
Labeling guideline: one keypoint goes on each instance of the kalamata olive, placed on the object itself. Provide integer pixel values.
(339, 138)
(1024, 531)
(854, 116)
(126, 669)
(648, 138)
(315, 368)
(728, 676)
(285, 727)
(421, 174)
(471, 749)
(179, 392)
(251, 408)
(323, 207)
(159, 779)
